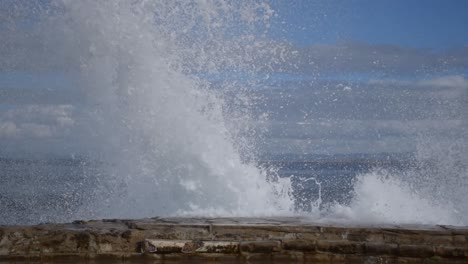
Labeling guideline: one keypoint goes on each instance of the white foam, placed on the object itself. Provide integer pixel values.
(174, 146)
(380, 197)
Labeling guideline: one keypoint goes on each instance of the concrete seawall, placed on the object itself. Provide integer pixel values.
(230, 240)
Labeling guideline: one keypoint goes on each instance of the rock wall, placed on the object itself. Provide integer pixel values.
(230, 240)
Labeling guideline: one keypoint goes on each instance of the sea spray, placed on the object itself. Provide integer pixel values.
(169, 144)
(383, 197)
(429, 189)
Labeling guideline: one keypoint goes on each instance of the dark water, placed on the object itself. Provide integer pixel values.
(331, 179)
(54, 190)
(38, 191)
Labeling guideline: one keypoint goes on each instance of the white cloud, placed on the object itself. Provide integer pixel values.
(36, 121)
(8, 129)
(356, 57)
(448, 81)
(398, 82)
(383, 115)
(358, 136)
(448, 87)
(37, 130)
(451, 81)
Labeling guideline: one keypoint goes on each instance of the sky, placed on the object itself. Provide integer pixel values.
(352, 76)
(374, 76)
(430, 24)
(402, 39)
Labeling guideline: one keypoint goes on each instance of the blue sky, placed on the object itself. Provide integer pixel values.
(377, 76)
(433, 24)
(363, 39)
(352, 76)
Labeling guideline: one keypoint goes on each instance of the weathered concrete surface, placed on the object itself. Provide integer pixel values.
(230, 240)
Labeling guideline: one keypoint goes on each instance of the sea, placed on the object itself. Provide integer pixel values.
(37, 190)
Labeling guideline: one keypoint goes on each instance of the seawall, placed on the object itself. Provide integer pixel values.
(231, 240)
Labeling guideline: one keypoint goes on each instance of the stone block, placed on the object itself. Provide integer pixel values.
(460, 240)
(258, 258)
(333, 233)
(299, 245)
(415, 251)
(288, 257)
(188, 246)
(317, 257)
(240, 233)
(438, 260)
(404, 260)
(225, 247)
(399, 237)
(308, 235)
(373, 249)
(242, 239)
(165, 246)
(260, 246)
(451, 252)
(340, 247)
(199, 258)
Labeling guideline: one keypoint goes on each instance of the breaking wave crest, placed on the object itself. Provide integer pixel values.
(380, 197)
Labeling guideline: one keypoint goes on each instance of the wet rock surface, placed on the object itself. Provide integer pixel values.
(231, 240)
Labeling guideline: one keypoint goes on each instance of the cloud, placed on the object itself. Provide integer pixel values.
(296, 101)
(58, 46)
(37, 130)
(440, 82)
(358, 136)
(325, 146)
(339, 59)
(8, 129)
(380, 115)
(361, 129)
(339, 114)
(452, 81)
(454, 87)
(448, 87)
(36, 121)
(357, 57)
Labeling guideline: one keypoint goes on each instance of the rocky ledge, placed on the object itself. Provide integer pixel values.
(231, 240)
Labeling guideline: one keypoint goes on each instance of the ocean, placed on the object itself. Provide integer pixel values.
(34, 191)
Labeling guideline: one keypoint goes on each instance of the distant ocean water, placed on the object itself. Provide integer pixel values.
(35, 191)
(332, 177)
(44, 190)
